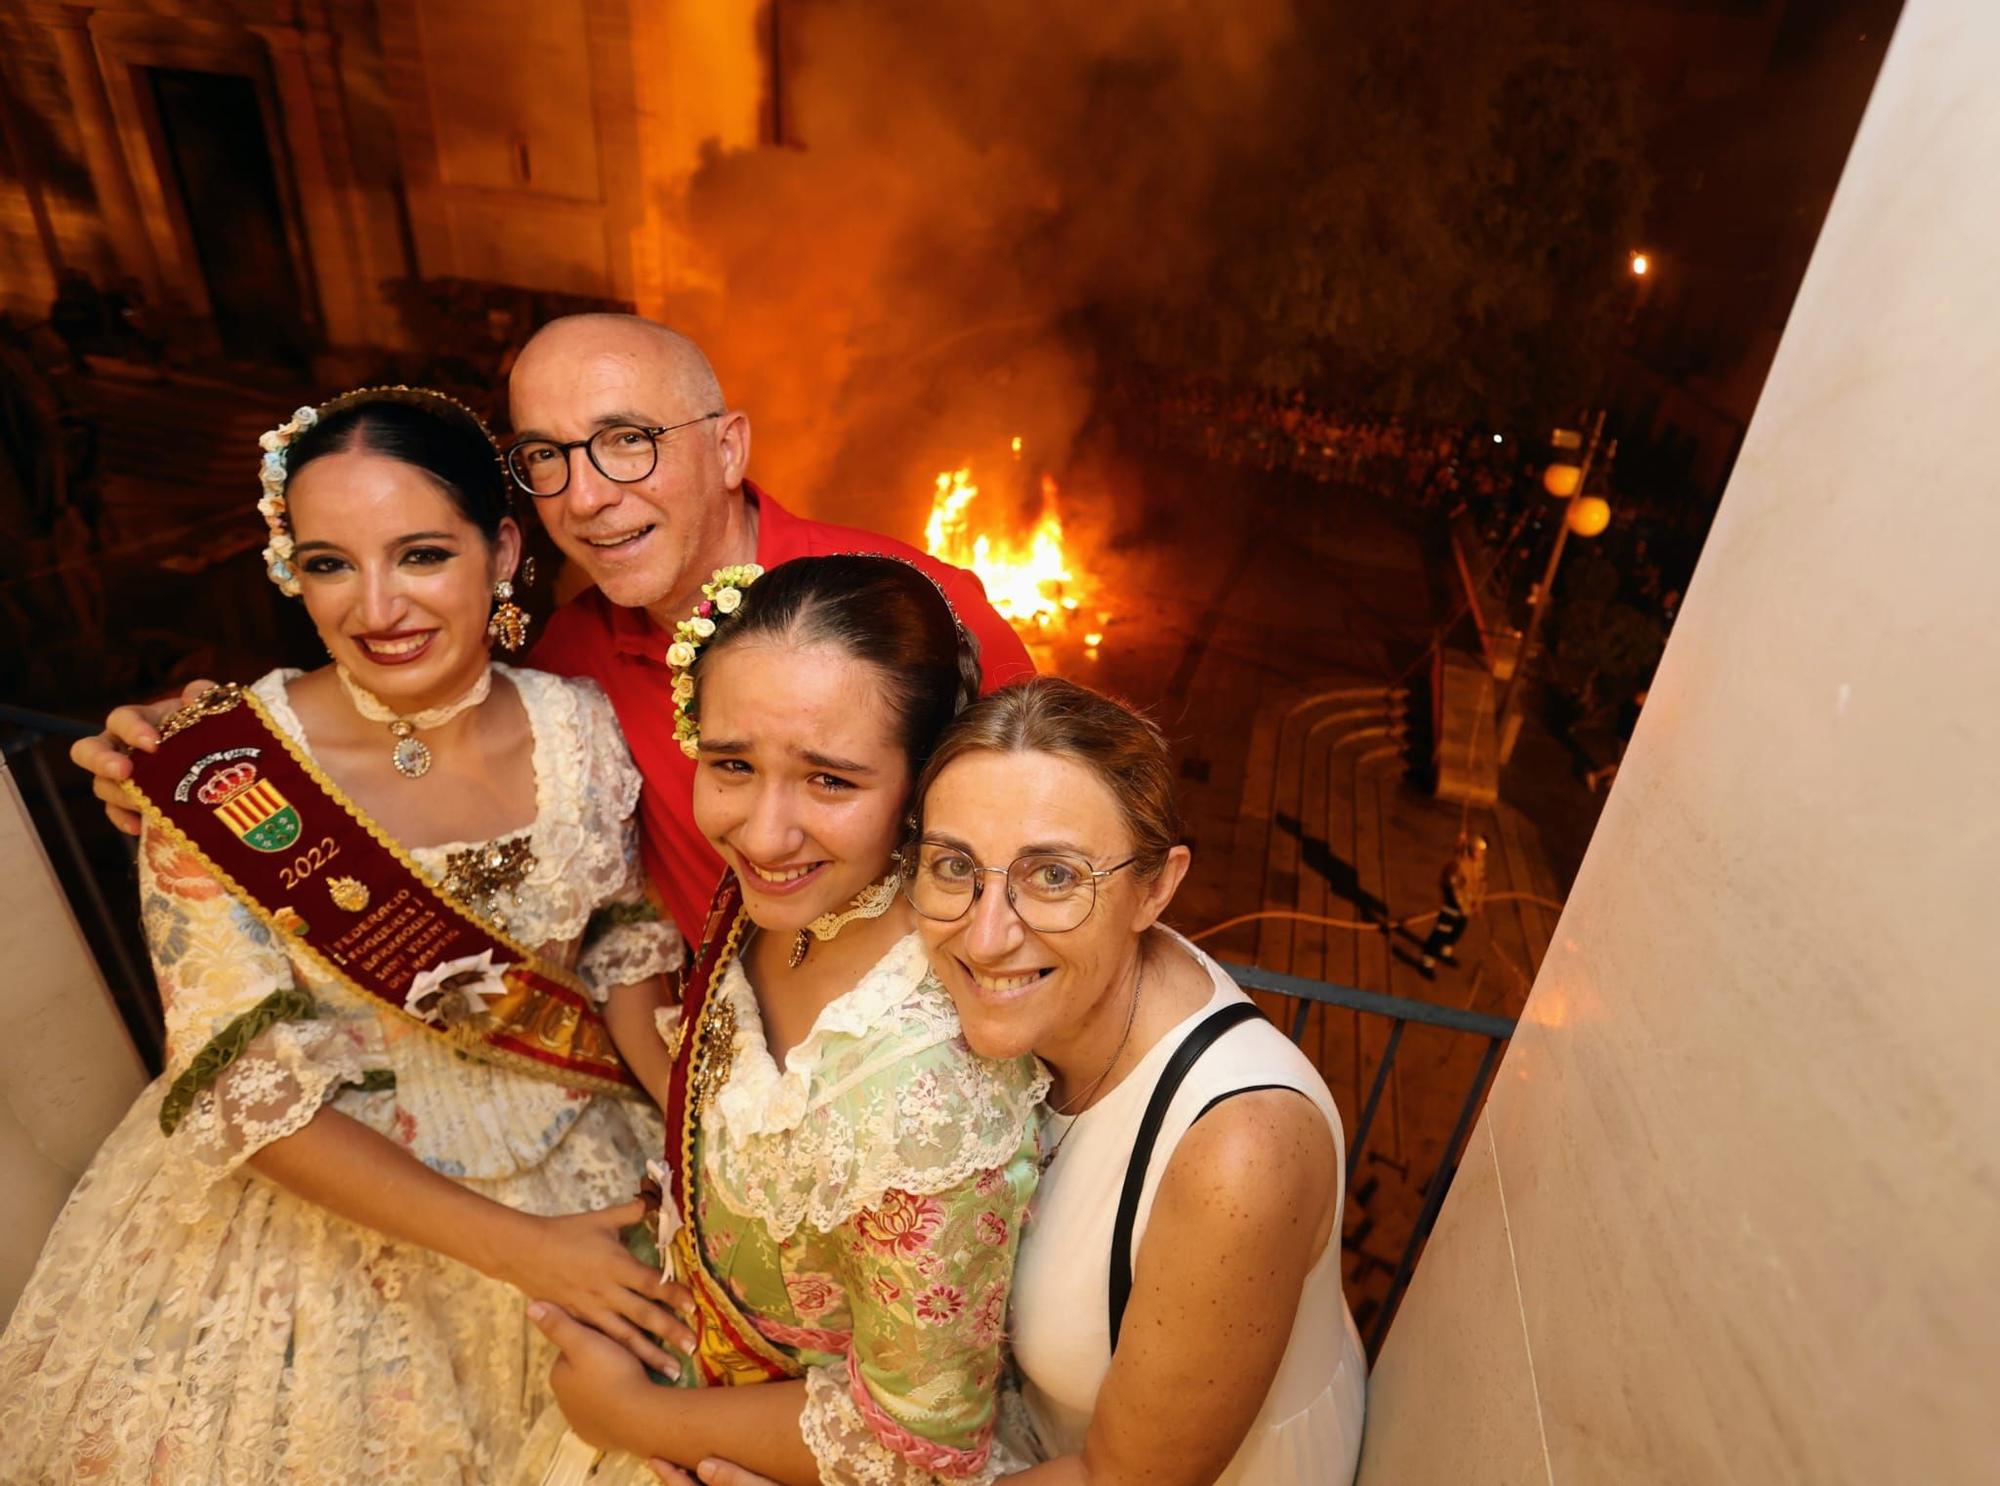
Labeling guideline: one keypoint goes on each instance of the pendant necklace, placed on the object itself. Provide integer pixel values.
(410, 756)
(871, 902)
(1081, 1104)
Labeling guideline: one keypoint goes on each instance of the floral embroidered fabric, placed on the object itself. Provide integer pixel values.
(863, 1204)
(191, 1322)
(881, 1094)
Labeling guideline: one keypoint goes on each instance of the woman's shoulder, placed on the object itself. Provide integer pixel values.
(574, 697)
(926, 1077)
(273, 690)
(576, 710)
(1253, 1053)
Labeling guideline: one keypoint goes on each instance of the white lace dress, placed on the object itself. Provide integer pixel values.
(190, 1321)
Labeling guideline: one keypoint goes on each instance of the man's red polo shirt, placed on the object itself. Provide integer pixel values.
(622, 651)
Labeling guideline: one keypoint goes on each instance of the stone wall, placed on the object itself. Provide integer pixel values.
(1731, 1213)
(540, 144)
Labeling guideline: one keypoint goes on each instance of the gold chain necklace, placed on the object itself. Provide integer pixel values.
(410, 756)
(871, 902)
(1082, 1101)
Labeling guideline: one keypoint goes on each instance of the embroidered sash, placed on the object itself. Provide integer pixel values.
(730, 1350)
(228, 786)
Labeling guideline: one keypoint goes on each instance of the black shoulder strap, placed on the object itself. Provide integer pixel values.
(1185, 1057)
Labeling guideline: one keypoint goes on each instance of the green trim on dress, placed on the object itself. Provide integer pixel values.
(288, 1004)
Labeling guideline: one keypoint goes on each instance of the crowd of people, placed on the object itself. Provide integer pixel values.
(1424, 465)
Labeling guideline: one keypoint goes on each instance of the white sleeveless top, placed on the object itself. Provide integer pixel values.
(1309, 1431)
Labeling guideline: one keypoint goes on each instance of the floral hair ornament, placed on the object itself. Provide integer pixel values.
(720, 597)
(272, 473)
(271, 505)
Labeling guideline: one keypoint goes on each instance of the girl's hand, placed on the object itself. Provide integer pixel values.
(598, 1383)
(709, 1473)
(579, 1263)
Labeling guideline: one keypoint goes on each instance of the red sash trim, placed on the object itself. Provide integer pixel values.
(230, 788)
(731, 1350)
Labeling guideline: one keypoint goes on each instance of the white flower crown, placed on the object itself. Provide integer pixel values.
(272, 474)
(721, 594)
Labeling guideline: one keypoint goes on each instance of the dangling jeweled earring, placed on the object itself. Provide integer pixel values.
(509, 624)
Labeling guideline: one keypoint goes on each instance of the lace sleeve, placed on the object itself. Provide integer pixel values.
(895, 1101)
(927, 1276)
(628, 938)
(247, 1060)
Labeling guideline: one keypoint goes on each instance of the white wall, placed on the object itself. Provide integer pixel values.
(1733, 1212)
(68, 1071)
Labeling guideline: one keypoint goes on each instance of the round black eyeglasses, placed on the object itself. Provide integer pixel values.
(622, 452)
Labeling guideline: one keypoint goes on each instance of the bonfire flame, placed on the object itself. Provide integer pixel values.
(1026, 577)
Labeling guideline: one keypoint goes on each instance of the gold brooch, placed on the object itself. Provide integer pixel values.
(216, 700)
(714, 1052)
(483, 875)
(347, 893)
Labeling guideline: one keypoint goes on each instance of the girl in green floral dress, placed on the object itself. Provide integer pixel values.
(856, 1177)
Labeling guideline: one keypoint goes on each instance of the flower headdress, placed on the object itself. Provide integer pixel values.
(272, 473)
(720, 596)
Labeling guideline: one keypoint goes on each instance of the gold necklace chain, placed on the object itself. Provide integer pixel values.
(1082, 1101)
(871, 902)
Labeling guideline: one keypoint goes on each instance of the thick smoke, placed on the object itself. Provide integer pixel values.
(974, 191)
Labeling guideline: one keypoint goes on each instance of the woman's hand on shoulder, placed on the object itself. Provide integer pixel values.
(103, 756)
(1246, 1208)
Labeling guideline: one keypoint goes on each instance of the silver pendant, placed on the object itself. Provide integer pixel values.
(411, 758)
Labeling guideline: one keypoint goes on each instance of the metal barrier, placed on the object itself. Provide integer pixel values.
(1496, 1030)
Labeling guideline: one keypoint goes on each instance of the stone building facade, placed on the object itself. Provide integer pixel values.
(261, 169)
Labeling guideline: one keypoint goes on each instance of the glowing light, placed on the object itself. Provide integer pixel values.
(1499, 439)
(1641, 265)
(1017, 445)
(1093, 639)
(1025, 576)
(1589, 516)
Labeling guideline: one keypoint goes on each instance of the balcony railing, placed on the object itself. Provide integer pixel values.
(1493, 1031)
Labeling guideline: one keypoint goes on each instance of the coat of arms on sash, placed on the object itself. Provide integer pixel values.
(222, 783)
(250, 806)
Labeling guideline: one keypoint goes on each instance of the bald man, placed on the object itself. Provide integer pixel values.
(647, 544)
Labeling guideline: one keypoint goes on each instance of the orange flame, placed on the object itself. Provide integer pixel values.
(1025, 577)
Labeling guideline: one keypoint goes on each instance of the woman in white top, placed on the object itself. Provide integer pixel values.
(1048, 847)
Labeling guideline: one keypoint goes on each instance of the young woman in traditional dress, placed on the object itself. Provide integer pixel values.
(1178, 1317)
(385, 1119)
(845, 1179)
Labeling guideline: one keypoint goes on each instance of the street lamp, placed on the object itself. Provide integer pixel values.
(1586, 515)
